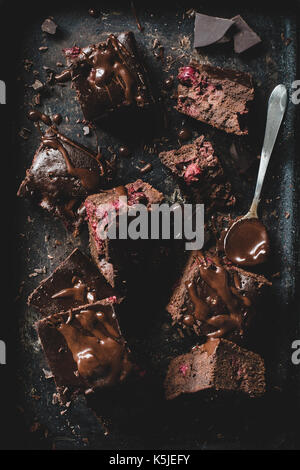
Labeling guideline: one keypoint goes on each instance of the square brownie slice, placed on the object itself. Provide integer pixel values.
(85, 349)
(62, 174)
(75, 282)
(218, 365)
(111, 256)
(200, 168)
(215, 96)
(109, 76)
(215, 298)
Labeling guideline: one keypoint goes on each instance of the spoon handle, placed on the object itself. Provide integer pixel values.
(276, 109)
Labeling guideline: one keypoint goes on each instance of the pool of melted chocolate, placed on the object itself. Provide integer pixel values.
(247, 243)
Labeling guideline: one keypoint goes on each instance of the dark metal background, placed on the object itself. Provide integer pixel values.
(146, 421)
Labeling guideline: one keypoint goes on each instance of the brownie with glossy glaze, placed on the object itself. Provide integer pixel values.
(109, 76)
(85, 349)
(215, 298)
(76, 281)
(62, 174)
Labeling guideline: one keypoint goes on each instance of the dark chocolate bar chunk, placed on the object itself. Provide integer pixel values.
(215, 298)
(216, 366)
(104, 251)
(85, 348)
(200, 168)
(244, 37)
(76, 281)
(62, 174)
(215, 96)
(109, 76)
(210, 29)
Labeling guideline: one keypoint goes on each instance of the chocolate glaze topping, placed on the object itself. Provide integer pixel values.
(88, 178)
(79, 292)
(97, 347)
(247, 243)
(37, 116)
(217, 279)
(108, 64)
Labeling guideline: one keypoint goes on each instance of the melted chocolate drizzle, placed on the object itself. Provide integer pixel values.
(96, 346)
(107, 64)
(78, 292)
(88, 178)
(217, 280)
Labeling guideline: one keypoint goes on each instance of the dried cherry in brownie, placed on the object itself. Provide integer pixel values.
(85, 348)
(109, 76)
(62, 174)
(216, 366)
(76, 281)
(215, 96)
(215, 298)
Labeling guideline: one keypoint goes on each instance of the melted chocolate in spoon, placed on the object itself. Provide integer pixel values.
(247, 243)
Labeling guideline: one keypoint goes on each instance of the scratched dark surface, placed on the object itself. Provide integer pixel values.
(144, 420)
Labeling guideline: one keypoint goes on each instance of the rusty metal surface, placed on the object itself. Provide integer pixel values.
(148, 422)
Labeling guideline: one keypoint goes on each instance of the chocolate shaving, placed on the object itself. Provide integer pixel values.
(49, 26)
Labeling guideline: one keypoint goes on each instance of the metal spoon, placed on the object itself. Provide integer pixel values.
(276, 109)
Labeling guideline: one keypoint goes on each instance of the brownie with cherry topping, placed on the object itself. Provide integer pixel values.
(216, 366)
(215, 96)
(215, 298)
(85, 349)
(109, 76)
(111, 256)
(201, 169)
(62, 174)
(76, 281)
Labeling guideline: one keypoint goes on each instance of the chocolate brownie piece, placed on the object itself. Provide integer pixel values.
(109, 76)
(62, 174)
(215, 298)
(217, 365)
(85, 348)
(104, 251)
(201, 169)
(76, 281)
(215, 96)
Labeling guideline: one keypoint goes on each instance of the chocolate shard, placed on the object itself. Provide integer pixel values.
(216, 366)
(244, 37)
(210, 29)
(76, 281)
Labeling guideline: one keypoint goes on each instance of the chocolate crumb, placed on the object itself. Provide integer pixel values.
(49, 26)
(146, 168)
